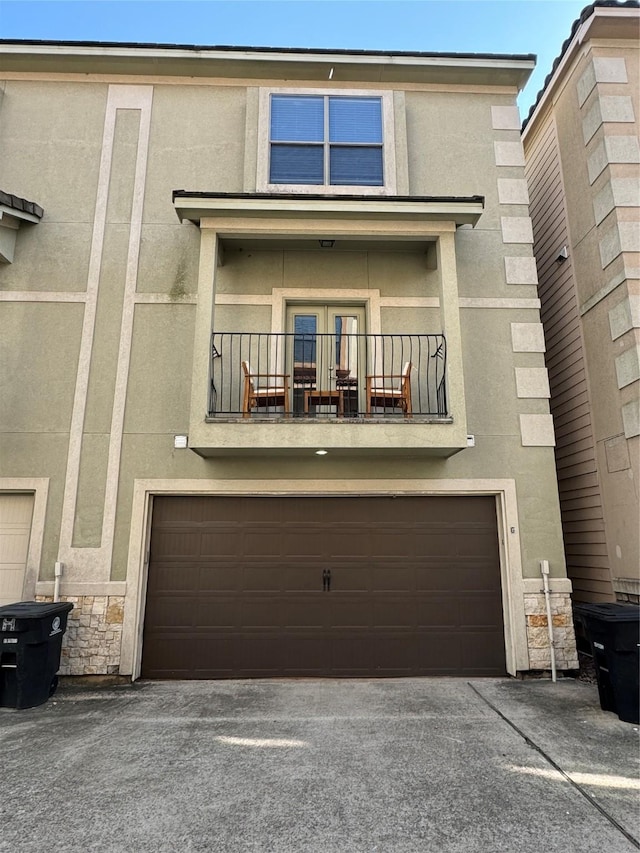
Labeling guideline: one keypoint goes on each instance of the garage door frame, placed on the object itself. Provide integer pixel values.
(516, 651)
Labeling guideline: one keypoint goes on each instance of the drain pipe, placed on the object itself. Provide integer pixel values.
(57, 575)
(544, 569)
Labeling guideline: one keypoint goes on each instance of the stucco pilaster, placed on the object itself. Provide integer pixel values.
(450, 318)
(209, 250)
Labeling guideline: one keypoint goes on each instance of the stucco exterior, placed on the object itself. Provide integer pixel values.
(146, 163)
(586, 203)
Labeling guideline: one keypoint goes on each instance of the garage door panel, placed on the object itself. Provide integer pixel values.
(172, 611)
(11, 583)
(437, 576)
(308, 655)
(439, 653)
(479, 647)
(304, 611)
(170, 657)
(394, 656)
(480, 609)
(346, 544)
(215, 577)
(393, 577)
(261, 543)
(223, 542)
(299, 543)
(437, 543)
(267, 656)
(473, 542)
(350, 655)
(478, 576)
(303, 576)
(389, 544)
(217, 612)
(438, 611)
(415, 588)
(256, 576)
(174, 577)
(176, 543)
(263, 612)
(390, 612)
(350, 578)
(349, 611)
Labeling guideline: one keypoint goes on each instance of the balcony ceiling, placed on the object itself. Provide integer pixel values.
(344, 244)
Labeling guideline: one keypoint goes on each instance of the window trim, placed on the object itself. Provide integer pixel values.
(388, 144)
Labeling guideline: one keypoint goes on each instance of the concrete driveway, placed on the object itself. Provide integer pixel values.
(416, 765)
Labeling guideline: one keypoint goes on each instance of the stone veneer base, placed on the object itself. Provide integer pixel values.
(91, 644)
(535, 609)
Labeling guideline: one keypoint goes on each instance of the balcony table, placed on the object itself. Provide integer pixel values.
(324, 398)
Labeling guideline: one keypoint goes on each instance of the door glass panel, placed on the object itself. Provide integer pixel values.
(327, 349)
(348, 353)
(305, 357)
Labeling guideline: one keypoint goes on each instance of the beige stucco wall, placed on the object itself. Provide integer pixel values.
(128, 327)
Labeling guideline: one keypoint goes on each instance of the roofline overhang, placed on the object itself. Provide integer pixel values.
(584, 28)
(400, 57)
(517, 67)
(195, 206)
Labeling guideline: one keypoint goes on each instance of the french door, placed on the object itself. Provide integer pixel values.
(327, 357)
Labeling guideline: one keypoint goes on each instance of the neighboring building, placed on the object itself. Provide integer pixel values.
(583, 155)
(249, 257)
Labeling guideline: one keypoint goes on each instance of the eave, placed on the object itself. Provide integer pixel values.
(266, 63)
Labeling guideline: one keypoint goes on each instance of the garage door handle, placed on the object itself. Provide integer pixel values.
(326, 580)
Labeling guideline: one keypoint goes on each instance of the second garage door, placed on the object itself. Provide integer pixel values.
(246, 587)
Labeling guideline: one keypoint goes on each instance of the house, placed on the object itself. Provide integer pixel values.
(582, 164)
(275, 397)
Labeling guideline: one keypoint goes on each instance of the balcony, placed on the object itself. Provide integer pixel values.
(346, 393)
(311, 376)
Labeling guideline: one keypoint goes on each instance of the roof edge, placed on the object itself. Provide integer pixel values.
(255, 51)
(431, 199)
(584, 16)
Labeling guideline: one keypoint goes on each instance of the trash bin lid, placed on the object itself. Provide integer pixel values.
(34, 609)
(610, 612)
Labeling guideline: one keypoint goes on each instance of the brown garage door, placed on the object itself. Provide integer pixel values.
(246, 587)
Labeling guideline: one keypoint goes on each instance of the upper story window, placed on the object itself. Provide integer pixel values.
(326, 140)
(316, 141)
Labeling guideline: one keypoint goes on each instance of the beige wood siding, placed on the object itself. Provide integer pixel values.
(576, 463)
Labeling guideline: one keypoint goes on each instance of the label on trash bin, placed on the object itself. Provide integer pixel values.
(8, 624)
(599, 646)
(10, 640)
(55, 626)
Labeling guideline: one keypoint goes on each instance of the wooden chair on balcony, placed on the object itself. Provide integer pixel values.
(380, 394)
(264, 390)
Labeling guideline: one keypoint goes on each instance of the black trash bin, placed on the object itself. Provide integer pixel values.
(613, 630)
(30, 643)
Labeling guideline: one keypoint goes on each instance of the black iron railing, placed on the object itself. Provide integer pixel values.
(255, 375)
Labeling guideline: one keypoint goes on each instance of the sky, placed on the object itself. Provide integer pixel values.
(463, 26)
